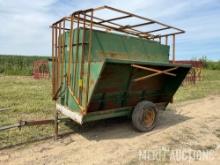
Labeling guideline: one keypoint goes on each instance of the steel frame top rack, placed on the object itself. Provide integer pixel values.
(158, 29)
(122, 22)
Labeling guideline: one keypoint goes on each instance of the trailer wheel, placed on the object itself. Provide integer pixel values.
(144, 116)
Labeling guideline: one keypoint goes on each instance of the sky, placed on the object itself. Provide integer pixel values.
(25, 23)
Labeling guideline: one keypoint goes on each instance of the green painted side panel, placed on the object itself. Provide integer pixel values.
(75, 69)
(95, 70)
(111, 73)
(108, 114)
(110, 45)
(116, 88)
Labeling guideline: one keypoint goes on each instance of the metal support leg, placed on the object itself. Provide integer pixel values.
(174, 49)
(56, 126)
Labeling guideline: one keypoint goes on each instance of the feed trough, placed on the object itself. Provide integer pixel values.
(109, 63)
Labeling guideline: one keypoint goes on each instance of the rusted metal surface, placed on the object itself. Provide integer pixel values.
(153, 70)
(40, 69)
(82, 60)
(88, 18)
(158, 72)
(55, 121)
(196, 64)
(89, 57)
(76, 58)
(149, 117)
(53, 63)
(195, 74)
(117, 90)
(23, 123)
(62, 52)
(174, 48)
(87, 82)
(70, 49)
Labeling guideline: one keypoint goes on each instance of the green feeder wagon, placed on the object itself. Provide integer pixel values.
(106, 67)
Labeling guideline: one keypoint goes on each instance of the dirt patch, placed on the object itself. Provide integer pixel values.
(193, 125)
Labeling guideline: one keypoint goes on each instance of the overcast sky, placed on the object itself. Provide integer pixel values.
(25, 23)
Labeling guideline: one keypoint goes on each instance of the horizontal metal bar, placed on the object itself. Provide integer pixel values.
(154, 74)
(158, 30)
(137, 25)
(82, 11)
(107, 26)
(151, 69)
(99, 8)
(72, 45)
(22, 123)
(60, 20)
(135, 31)
(9, 126)
(115, 28)
(80, 44)
(147, 19)
(113, 19)
(38, 122)
(4, 109)
(129, 29)
(61, 46)
(170, 34)
(59, 28)
(97, 115)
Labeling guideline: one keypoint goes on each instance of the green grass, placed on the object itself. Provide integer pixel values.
(30, 99)
(210, 85)
(18, 65)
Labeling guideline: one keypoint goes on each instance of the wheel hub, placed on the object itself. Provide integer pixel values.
(149, 118)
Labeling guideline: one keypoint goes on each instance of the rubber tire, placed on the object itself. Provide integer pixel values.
(137, 116)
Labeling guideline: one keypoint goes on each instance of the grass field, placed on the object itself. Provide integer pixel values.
(30, 99)
(18, 65)
(209, 85)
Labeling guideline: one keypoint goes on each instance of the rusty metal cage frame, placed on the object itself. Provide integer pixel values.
(37, 72)
(86, 19)
(195, 74)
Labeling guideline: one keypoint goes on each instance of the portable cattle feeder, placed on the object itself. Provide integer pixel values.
(108, 63)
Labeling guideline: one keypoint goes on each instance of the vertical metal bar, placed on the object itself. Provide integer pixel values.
(82, 60)
(70, 49)
(160, 40)
(53, 89)
(77, 54)
(89, 57)
(194, 76)
(174, 49)
(56, 125)
(55, 66)
(55, 85)
(63, 52)
(166, 40)
(59, 56)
